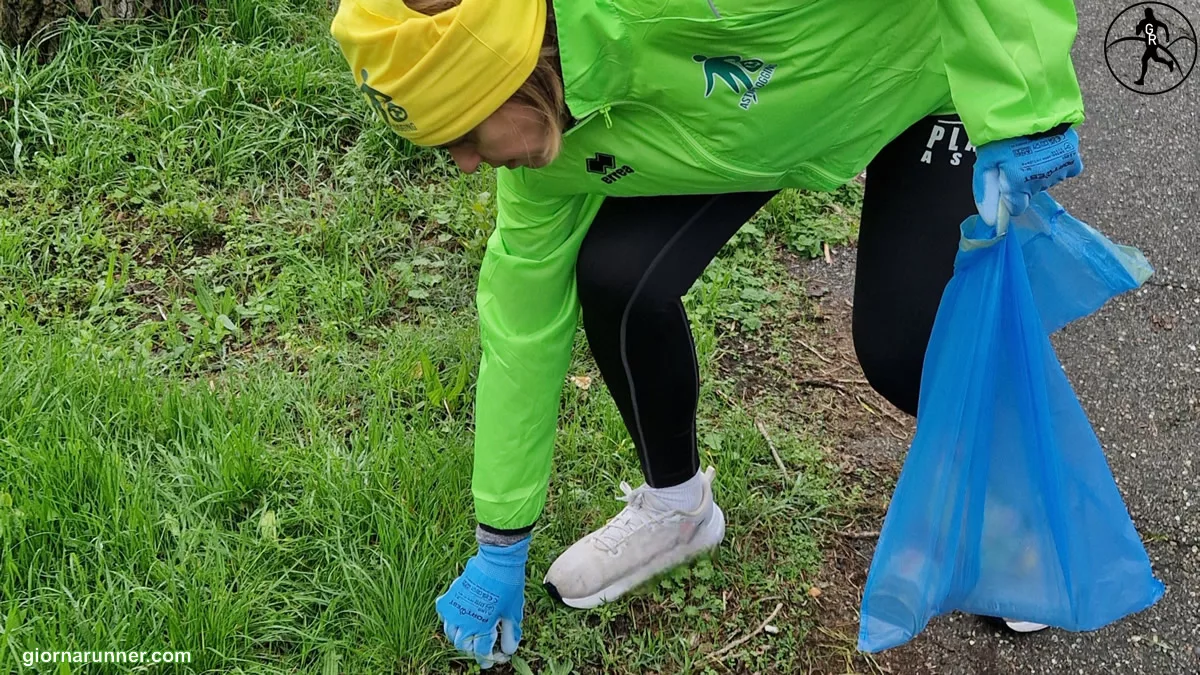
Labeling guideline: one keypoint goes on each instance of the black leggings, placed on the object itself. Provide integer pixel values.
(642, 255)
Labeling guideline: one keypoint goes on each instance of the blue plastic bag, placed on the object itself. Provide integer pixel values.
(1073, 269)
(1006, 506)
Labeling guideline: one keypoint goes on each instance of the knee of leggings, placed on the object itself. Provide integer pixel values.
(610, 287)
(893, 372)
(599, 287)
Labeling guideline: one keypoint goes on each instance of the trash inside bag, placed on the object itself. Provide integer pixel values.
(1006, 506)
(1073, 269)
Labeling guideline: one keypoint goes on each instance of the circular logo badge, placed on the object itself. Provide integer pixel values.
(397, 113)
(1150, 48)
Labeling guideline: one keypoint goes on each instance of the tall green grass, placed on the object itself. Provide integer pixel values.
(265, 520)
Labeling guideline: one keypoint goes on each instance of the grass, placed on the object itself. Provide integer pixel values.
(237, 357)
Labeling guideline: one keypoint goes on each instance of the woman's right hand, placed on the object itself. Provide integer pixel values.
(487, 601)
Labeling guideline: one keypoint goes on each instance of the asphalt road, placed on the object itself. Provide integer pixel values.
(1135, 366)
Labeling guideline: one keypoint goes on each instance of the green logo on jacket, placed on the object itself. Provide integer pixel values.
(738, 74)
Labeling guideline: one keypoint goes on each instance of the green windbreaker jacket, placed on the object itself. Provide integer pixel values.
(693, 96)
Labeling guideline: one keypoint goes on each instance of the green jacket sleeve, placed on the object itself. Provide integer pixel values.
(527, 315)
(1009, 65)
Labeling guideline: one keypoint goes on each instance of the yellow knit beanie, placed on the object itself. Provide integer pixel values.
(434, 78)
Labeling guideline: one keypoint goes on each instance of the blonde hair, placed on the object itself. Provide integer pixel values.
(543, 89)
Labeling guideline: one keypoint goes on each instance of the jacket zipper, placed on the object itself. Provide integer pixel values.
(581, 122)
(604, 110)
(699, 148)
(725, 165)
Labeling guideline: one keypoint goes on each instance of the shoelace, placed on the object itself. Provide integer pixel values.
(625, 523)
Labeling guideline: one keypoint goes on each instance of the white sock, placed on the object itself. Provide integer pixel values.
(684, 497)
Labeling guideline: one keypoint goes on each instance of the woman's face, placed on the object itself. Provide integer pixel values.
(513, 136)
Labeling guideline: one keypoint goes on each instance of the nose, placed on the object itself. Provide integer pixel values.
(467, 159)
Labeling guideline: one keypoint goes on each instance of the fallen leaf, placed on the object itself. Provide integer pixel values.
(581, 381)
(814, 592)
(268, 526)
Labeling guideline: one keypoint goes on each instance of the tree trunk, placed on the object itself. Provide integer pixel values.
(21, 20)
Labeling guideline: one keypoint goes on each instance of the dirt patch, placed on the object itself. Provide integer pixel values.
(208, 242)
(867, 437)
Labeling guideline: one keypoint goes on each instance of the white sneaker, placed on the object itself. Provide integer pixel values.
(644, 540)
(1024, 626)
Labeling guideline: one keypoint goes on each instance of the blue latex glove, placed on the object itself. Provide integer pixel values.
(1016, 169)
(487, 599)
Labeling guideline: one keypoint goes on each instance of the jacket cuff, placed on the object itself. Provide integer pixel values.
(1053, 131)
(490, 536)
